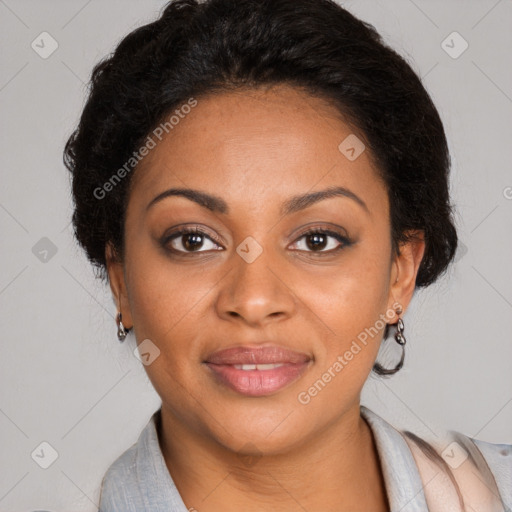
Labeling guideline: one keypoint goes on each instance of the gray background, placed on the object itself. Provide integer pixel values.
(64, 377)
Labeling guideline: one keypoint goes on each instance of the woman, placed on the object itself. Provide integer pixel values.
(264, 185)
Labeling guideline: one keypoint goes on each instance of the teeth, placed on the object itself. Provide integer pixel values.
(257, 366)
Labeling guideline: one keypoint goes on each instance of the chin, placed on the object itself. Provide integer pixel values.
(260, 431)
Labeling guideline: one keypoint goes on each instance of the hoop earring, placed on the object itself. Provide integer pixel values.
(400, 339)
(121, 329)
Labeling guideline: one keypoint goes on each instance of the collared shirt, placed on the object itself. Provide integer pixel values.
(139, 480)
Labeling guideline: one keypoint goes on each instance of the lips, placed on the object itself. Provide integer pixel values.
(257, 371)
(257, 355)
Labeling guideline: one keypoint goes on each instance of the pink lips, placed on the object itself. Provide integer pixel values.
(257, 381)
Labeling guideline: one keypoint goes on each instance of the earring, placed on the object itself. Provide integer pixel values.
(400, 339)
(121, 330)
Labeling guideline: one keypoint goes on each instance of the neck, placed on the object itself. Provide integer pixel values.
(338, 470)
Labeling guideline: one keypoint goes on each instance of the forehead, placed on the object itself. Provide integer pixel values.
(277, 141)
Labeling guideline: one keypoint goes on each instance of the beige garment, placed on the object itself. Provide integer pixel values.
(455, 475)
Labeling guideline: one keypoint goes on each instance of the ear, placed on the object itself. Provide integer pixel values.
(405, 266)
(115, 269)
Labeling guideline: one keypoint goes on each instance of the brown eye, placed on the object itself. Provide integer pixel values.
(322, 241)
(189, 240)
(316, 241)
(192, 241)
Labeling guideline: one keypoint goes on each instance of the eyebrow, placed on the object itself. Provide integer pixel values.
(292, 205)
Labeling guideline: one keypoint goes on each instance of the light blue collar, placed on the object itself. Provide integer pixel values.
(401, 476)
(139, 478)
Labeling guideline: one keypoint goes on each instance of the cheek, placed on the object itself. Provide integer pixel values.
(351, 293)
(164, 295)
(352, 316)
(347, 304)
(168, 307)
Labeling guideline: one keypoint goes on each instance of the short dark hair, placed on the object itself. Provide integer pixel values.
(195, 49)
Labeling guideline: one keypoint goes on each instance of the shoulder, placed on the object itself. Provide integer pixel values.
(452, 469)
(139, 479)
(498, 457)
(480, 472)
(129, 479)
(119, 484)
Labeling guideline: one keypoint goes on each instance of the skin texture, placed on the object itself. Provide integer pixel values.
(256, 149)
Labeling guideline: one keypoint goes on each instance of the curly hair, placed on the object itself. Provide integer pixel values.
(198, 48)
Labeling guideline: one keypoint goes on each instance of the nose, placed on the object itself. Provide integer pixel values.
(257, 292)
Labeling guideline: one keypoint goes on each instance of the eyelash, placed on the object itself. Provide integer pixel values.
(344, 241)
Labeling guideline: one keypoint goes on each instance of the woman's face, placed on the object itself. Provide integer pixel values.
(251, 278)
